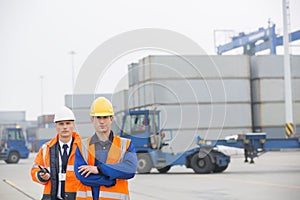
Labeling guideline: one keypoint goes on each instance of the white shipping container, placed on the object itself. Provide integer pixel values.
(197, 116)
(85, 129)
(120, 101)
(79, 101)
(193, 66)
(273, 114)
(45, 133)
(82, 115)
(7, 117)
(133, 97)
(272, 90)
(133, 74)
(195, 91)
(272, 66)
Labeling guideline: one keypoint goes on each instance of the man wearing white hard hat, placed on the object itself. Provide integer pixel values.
(54, 163)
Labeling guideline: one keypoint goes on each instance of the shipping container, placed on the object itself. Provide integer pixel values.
(119, 101)
(199, 67)
(204, 116)
(272, 66)
(133, 74)
(273, 114)
(194, 91)
(8, 117)
(272, 90)
(79, 101)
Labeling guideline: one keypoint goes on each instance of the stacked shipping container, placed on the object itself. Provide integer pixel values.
(210, 96)
(197, 95)
(267, 77)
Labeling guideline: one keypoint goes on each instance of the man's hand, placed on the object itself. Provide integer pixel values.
(44, 175)
(87, 170)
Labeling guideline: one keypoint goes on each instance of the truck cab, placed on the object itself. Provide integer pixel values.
(142, 127)
(13, 144)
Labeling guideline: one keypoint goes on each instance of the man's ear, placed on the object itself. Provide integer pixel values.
(92, 119)
(111, 118)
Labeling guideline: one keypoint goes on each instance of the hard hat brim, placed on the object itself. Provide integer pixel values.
(66, 119)
(101, 114)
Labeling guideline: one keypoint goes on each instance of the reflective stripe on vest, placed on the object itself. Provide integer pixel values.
(113, 195)
(85, 143)
(44, 147)
(123, 148)
(70, 167)
(103, 194)
(85, 194)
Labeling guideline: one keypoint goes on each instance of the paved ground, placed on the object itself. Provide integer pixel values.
(275, 175)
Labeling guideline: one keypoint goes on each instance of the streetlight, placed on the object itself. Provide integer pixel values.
(289, 127)
(72, 53)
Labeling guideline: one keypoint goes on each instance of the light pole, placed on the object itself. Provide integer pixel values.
(72, 53)
(289, 127)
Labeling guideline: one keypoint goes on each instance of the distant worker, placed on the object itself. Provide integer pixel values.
(54, 163)
(107, 161)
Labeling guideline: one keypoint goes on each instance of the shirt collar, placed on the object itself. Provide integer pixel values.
(95, 138)
(68, 143)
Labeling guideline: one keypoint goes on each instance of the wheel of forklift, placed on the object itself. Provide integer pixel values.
(164, 170)
(144, 163)
(202, 164)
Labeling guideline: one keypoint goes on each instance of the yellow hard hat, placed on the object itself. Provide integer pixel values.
(101, 107)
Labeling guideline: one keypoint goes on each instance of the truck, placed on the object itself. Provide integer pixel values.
(13, 144)
(37, 136)
(142, 127)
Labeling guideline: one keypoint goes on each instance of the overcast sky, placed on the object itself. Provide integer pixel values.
(37, 36)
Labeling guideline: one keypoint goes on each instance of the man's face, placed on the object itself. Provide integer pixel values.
(65, 128)
(102, 123)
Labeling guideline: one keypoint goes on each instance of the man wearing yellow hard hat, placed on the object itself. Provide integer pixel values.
(106, 161)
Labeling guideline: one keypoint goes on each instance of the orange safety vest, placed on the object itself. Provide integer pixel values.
(43, 159)
(116, 152)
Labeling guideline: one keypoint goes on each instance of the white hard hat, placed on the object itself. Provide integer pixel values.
(63, 114)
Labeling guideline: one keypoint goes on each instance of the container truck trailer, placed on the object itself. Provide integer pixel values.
(143, 128)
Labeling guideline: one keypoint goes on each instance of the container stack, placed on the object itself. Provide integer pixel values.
(207, 96)
(12, 117)
(268, 94)
(120, 103)
(45, 121)
(80, 105)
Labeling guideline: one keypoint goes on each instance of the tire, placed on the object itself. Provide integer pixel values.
(201, 165)
(220, 169)
(13, 158)
(164, 170)
(144, 163)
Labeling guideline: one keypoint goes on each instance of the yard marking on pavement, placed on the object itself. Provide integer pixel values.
(17, 188)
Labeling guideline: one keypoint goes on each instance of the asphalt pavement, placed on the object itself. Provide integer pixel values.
(275, 175)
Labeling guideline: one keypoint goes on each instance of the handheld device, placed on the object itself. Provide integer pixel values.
(42, 169)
